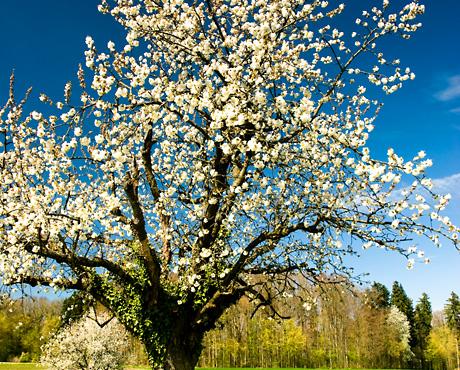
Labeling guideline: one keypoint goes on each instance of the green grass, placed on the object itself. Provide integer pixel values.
(15, 366)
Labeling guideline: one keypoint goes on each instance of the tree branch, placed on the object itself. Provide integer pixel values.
(155, 191)
(73, 261)
(138, 227)
(42, 281)
(275, 235)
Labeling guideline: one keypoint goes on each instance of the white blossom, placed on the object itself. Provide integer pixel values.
(204, 153)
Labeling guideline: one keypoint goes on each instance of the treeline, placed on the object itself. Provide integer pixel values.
(24, 326)
(337, 328)
(328, 326)
(27, 324)
(443, 345)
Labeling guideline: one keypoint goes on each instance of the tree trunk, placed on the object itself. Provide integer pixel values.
(183, 351)
(181, 359)
(178, 359)
(456, 350)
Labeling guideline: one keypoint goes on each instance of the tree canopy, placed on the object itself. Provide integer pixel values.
(221, 147)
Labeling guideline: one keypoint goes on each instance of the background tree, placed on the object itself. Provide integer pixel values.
(422, 328)
(93, 342)
(379, 296)
(336, 328)
(441, 350)
(398, 337)
(452, 312)
(372, 348)
(401, 300)
(220, 153)
(24, 326)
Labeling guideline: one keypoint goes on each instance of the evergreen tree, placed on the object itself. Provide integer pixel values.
(400, 299)
(422, 321)
(452, 312)
(379, 295)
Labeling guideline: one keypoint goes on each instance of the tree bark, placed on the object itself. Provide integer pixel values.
(183, 347)
(181, 360)
(183, 352)
(456, 350)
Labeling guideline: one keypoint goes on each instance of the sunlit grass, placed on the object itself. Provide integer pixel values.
(19, 366)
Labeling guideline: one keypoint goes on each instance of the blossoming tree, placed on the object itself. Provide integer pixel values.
(399, 335)
(91, 343)
(221, 148)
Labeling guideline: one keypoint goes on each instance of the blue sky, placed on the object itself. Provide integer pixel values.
(43, 41)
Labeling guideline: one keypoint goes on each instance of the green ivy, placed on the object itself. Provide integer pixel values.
(151, 325)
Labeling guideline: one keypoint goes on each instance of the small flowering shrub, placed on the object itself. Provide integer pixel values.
(87, 345)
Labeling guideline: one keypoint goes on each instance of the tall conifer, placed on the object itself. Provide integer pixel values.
(379, 295)
(452, 312)
(422, 320)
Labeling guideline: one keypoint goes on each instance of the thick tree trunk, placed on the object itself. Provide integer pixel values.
(182, 359)
(183, 350)
(180, 337)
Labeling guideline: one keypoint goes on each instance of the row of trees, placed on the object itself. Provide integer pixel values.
(64, 335)
(328, 326)
(24, 326)
(443, 347)
(337, 328)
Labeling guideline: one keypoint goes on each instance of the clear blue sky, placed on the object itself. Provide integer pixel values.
(44, 42)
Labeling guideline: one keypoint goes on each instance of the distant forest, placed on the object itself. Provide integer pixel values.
(334, 327)
(327, 326)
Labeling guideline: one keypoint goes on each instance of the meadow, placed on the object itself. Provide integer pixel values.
(16, 366)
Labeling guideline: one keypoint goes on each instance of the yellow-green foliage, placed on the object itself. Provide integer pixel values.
(442, 347)
(25, 326)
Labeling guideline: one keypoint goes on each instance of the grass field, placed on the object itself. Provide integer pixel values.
(11, 366)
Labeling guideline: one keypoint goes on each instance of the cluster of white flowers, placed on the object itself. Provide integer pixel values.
(86, 344)
(234, 131)
(400, 330)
